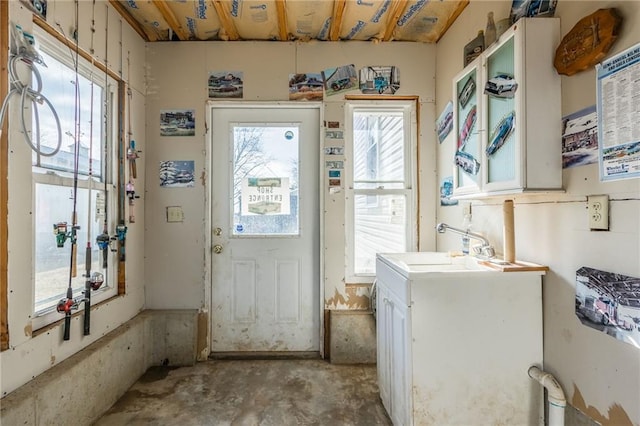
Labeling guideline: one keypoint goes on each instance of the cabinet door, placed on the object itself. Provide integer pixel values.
(466, 122)
(400, 367)
(502, 92)
(383, 331)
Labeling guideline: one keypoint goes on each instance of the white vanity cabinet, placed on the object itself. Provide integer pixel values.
(514, 145)
(455, 341)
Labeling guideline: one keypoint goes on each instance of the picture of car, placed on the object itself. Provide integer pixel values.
(467, 92)
(343, 83)
(469, 122)
(502, 86)
(500, 136)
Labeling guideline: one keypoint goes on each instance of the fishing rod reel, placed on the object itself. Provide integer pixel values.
(95, 280)
(60, 230)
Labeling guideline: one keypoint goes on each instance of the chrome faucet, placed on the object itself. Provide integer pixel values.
(485, 250)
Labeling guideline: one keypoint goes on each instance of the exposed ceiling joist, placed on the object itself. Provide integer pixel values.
(131, 21)
(336, 19)
(171, 19)
(453, 17)
(282, 20)
(228, 26)
(395, 11)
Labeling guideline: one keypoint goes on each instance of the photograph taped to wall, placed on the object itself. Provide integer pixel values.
(306, 87)
(529, 8)
(333, 150)
(225, 84)
(444, 124)
(380, 80)
(334, 164)
(580, 138)
(339, 79)
(177, 174)
(610, 303)
(178, 122)
(446, 191)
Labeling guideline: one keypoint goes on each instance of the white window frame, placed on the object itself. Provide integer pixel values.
(44, 175)
(408, 110)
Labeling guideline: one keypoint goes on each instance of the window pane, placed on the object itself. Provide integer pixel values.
(378, 143)
(379, 227)
(265, 180)
(52, 264)
(58, 85)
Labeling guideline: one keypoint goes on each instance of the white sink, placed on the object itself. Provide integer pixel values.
(431, 262)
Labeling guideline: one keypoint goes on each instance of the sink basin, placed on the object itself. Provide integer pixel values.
(431, 262)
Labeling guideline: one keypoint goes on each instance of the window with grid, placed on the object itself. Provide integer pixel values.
(85, 101)
(380, 196)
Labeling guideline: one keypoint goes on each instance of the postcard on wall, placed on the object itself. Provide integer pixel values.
(580, 138)
(177, 174)
(334, 164)
(339, 79)
(380, 80)
(306, 87)
(446, 191)
(522, 8)
(608, 302)
(225, 84)
(618, 117)
(333, 150)
(333, 124)
(178, 122)
(445, 122)
(334, 134)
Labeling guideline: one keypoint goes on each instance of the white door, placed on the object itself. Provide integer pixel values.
(265, 228)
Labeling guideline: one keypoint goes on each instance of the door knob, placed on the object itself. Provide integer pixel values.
(217, 232)
(217, 249)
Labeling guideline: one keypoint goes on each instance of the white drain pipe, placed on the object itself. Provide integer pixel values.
(555, 395)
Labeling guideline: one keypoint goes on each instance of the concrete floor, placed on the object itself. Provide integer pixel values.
(252, 392)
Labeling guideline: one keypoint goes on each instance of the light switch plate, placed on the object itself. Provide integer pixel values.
(175, 214)
(598, 207)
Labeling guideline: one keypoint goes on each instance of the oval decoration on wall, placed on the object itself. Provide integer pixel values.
(588, 42)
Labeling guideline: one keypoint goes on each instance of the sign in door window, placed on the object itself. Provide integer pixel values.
(265, 180)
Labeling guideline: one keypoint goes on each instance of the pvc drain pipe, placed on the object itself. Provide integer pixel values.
(555, 395)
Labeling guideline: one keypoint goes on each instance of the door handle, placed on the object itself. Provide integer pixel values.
(217, 249)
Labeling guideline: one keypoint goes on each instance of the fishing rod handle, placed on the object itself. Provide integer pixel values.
(67, 325)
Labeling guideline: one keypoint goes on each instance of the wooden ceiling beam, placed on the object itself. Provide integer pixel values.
(171, 19)
(282, 20)
(131, 21)
(225, 20)
(336, 19)
(395, 12)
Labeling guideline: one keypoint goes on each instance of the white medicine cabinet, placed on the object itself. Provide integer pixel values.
(507, 120)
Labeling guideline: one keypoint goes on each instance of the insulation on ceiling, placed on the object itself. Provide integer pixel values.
(255, 19)
(365, 19)
(426, 21)
(198, 18)
(309, 19)
(149, 17)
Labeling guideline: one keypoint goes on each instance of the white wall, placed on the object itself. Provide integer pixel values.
(31, 355)
(600, 375)
(178, 73)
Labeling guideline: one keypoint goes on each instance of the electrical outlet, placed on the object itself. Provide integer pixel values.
(175, 214)
(598, 208)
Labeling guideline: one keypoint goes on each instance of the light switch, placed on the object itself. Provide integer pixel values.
(175, 214)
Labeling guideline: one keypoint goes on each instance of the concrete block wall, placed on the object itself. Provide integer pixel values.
(81, 388)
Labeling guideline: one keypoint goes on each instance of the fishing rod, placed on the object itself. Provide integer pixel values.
(69, 304)
(104, 240)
